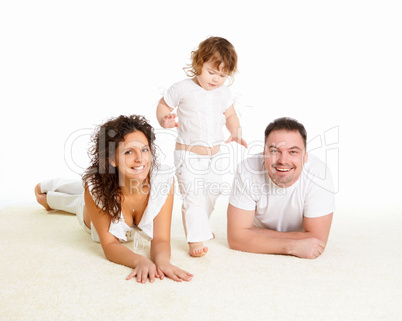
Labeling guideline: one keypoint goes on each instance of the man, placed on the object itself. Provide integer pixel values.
(282, 201)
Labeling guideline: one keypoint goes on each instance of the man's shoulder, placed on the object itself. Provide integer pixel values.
(252, 165)
(315, 166)
(316, 174)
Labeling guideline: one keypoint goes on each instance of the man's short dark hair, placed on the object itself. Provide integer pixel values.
(289, 124)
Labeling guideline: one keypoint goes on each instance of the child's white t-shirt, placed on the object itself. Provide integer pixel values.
(199, 111)
(283, 209)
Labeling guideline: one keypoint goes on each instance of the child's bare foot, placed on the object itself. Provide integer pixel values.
(197, 249)
(41, 198)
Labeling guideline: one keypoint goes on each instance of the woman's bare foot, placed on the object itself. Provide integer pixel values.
(41, 198)
(197, 249)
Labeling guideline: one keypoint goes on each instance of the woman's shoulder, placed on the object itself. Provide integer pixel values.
(161, 184)
(162, 173)
(89, 184)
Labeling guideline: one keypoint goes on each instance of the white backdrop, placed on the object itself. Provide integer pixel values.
(65, 66)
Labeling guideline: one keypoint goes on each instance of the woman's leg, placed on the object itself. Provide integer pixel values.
(41, 197)
(60, 194)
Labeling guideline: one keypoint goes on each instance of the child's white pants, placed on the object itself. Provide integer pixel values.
(199, 178)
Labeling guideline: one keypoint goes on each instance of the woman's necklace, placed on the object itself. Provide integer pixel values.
(129, 209)
(140, 203)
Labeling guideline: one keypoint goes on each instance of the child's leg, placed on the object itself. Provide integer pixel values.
(196, 224)
(205, 198)
(203, 213)
(60, 194)
(196, 207)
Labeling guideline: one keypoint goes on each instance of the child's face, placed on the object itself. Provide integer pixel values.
(211, 78)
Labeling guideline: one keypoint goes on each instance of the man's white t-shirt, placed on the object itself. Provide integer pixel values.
(283, 209)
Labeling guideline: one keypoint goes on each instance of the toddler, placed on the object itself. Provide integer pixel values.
(204, 105)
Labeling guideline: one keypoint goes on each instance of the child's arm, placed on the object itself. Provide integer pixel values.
(164, 116)
(233, 126)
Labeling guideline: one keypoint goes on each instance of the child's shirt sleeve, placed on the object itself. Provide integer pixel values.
(228, 99)
(173, 95)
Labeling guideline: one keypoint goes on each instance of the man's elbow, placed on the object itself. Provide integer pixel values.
(235, 241)
(232, 244)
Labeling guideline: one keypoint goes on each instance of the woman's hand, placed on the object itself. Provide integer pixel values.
(144, 269)
(160, 244)
(173, 272)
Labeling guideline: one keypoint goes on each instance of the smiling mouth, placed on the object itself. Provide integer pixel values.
(138, 168)
(283, 170)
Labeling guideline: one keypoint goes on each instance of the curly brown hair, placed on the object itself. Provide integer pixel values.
(217, 50)
(101, 176)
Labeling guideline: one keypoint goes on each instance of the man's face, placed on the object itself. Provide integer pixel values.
(285, 155)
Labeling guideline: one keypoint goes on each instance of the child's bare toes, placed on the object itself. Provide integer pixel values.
(197, 249)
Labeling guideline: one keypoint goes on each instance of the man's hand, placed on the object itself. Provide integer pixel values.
(307, 248)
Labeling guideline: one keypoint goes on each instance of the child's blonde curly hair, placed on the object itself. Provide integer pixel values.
(217, 50)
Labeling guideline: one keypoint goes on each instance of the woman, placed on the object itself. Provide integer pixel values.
(125, 193)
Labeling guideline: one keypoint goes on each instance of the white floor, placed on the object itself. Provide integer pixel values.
(51, 270)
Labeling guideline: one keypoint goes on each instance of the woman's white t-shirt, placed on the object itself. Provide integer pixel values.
(161, 183)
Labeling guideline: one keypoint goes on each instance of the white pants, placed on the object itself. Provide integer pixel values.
(199, 178)
(66, 195)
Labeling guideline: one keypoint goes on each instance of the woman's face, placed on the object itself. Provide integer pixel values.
(133, 157)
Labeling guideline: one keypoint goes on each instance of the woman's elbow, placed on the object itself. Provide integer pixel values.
(109, 253)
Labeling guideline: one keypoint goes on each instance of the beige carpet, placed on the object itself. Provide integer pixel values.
(51, 270)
